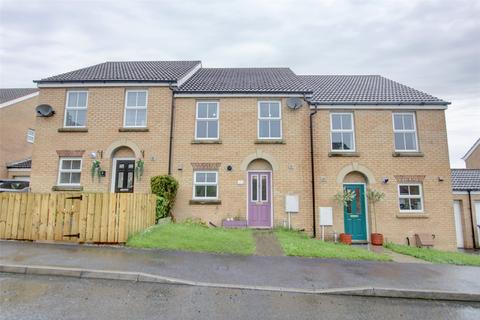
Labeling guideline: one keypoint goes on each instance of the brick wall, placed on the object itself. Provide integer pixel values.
(15, 120)
(473, 161)
(104, 119)
(238, 136)
(375, 145)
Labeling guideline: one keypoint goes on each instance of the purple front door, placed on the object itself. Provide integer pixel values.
(259, 199)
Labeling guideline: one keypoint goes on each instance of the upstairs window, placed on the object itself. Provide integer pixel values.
(205, 185)
(405, 132)
(206, 120)
(342, 132)
(410, 197)
(69, 171)
(269, 120)
(135, 108)
(31, 135)
(76, 109)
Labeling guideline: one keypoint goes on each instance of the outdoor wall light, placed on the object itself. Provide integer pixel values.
(385, 180)
(93, 155)
(229, 168)
(441, 179)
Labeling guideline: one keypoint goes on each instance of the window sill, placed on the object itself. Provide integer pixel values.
(268, 141)
(207, 141)
(407, 154)
(133, 129)
(343, 154)
(208, 202)
(407, 215)
(72, 130)
(67, 188)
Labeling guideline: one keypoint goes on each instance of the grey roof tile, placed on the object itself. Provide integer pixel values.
(152, 71)
(244, 80)
(8, 94)
(465, 179)
(21, 164)
(364, 89)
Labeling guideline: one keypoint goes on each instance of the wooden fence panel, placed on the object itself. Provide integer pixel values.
(87, 217)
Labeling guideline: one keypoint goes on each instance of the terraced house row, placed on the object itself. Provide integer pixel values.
(264, 145)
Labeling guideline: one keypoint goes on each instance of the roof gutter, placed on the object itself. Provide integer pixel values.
(444, 103)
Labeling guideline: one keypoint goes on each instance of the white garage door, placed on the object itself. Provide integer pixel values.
(457, 211)
(477, 216)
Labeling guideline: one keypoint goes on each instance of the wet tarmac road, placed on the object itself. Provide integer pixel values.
(43, 297)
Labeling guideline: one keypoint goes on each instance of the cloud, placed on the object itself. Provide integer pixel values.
(433, 46)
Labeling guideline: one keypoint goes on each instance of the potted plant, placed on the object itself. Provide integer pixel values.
(96, 169)
(343, 199)
(375, 196)
(139, 168)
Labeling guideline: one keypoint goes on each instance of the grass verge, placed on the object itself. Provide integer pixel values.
(436, 256)
(195, 237)
(295, 243)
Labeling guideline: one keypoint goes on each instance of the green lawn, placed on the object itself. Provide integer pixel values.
(436, 256)
(296, 243)
(195, 237)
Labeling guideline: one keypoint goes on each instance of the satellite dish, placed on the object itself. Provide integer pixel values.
(44, 110)
(294, 103)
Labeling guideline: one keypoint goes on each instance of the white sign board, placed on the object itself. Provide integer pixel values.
(291, 203)
(326, 216)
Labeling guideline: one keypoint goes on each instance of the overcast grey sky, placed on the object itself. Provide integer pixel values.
(433, 46)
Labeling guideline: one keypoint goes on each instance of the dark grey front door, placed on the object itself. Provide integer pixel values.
(124, 175)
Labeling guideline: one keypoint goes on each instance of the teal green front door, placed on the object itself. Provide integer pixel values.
(355, 213)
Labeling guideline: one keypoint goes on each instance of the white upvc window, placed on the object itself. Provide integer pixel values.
(205, 185)
(269, 120)
(69, 171)
(342, 132)
(405, 132)
(31, 135)
(76, 109)
(135, 109)
(206, 120)
(410, 197)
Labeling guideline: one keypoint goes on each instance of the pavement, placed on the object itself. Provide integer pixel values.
(47, 297)
(263, 273)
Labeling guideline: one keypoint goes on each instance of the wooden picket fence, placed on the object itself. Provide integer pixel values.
(75, 217)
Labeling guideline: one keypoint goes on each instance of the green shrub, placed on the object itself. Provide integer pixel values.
(162, 208)
(165, 187)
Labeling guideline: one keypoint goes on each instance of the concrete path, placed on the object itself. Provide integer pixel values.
(267, 244)
(255, 272)
(396, 257)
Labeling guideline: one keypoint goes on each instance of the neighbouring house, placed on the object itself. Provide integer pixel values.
(466, 200)
(17, 131)
(240, 140)
(472, 157)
